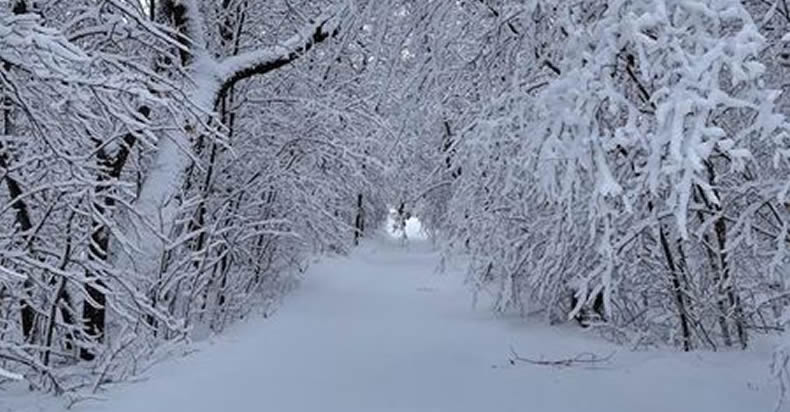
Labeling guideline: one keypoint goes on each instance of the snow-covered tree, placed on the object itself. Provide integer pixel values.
(162, 176)
(623, 168)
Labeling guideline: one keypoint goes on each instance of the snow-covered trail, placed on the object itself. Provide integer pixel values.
(382, 331)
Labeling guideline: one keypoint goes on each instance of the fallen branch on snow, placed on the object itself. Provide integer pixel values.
(10, 375)
(582, 358)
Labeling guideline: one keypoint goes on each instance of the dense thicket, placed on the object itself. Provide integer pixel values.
(632, 158)
(167, 166)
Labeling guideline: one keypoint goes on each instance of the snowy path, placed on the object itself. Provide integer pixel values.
(382, 331)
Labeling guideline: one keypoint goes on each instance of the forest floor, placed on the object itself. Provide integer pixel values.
(382, 330)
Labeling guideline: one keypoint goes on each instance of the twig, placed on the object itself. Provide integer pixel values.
(582, 358)
(75, 399)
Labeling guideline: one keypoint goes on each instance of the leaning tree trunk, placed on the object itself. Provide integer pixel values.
(156, 206)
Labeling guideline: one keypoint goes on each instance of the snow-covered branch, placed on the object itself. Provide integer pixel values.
(259, 62)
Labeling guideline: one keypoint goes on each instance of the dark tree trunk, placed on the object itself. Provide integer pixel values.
(677, 290)
(727, 299)
(93, 308)
(359, 221)
(714, 260)
(449, 151)
(727, 280)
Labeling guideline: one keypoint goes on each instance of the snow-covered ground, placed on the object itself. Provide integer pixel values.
(382, 331)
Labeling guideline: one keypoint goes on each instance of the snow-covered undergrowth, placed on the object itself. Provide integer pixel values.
(410, 228)
(382, 330)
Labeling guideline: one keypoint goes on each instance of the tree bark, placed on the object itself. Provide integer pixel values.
(677, 291)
